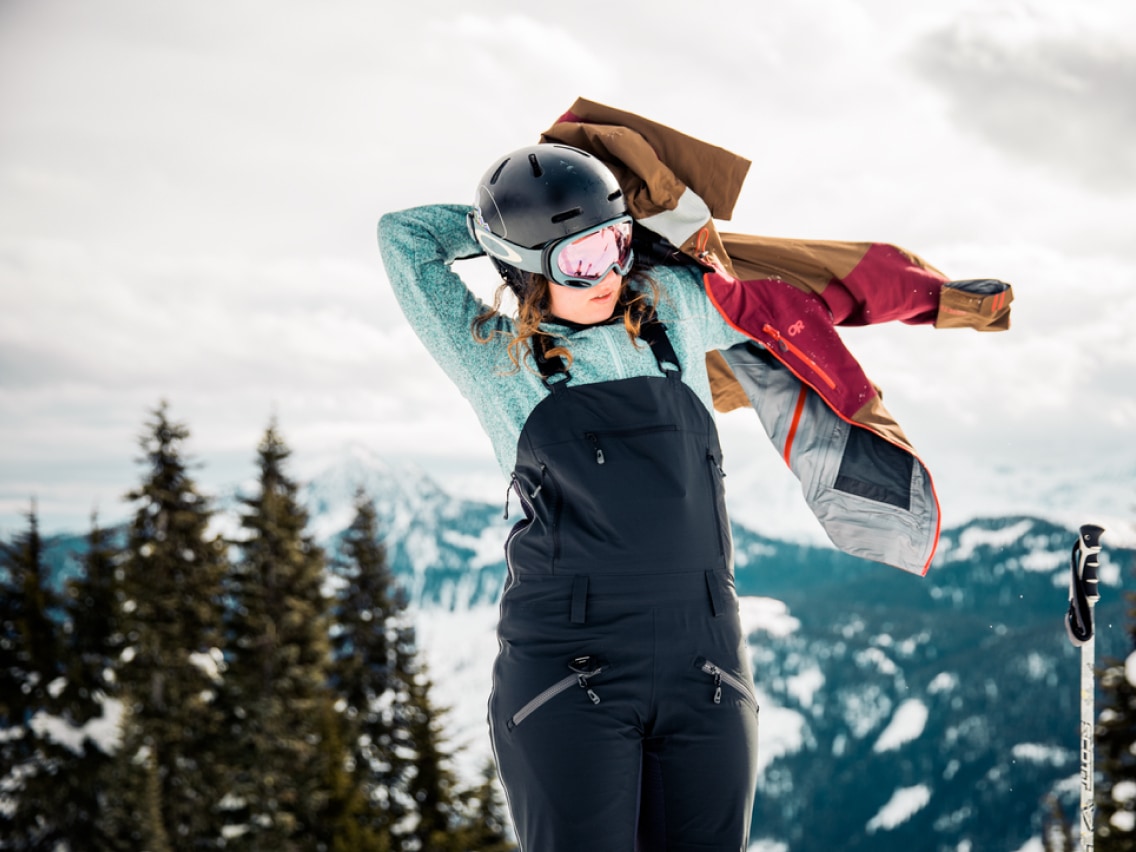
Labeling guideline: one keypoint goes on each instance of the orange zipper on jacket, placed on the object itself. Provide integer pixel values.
(787, 344)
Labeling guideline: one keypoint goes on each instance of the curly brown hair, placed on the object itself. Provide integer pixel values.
(636, 305)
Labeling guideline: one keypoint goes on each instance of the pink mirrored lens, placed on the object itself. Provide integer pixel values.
(591, 256)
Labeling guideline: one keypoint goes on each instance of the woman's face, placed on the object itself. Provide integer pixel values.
(586, 306)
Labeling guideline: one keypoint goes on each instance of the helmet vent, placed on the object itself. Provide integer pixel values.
(615, 195)
(566, 215)
(500, 169)
(537, 171)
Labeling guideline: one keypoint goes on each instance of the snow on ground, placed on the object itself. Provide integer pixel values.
(1043, 561)
(804, 685)
(766, 615)
(943, 682)
(906, 724)
(904, 804)
(973, 538)
(1041, 754)
(781, 732)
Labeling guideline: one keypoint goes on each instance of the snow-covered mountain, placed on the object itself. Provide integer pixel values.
(448, 551)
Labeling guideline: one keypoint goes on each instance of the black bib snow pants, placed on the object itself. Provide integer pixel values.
(622, 713)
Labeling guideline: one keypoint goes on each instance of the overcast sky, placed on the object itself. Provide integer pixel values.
(189, 191)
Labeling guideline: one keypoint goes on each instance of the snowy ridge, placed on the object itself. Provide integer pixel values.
(448, 550)
(401, 491)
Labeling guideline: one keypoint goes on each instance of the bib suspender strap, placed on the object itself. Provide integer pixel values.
(653, 332)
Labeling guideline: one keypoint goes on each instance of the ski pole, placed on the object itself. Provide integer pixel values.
(1083, 596)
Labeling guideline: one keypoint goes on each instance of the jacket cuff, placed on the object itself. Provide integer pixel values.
(980, 303)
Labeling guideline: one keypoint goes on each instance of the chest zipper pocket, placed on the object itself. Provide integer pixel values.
(721, 676)
(786, 345)
(594, 437)
(584, 668)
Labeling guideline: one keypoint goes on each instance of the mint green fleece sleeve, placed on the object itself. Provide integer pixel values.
(419, 247)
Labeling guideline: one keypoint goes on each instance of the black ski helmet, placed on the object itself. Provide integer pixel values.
(542, 193)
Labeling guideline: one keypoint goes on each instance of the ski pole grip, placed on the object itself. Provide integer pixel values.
(1090, 536)
(1090, 561)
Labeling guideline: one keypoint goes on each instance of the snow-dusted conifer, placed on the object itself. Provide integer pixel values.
(170, 613)
(277, 681)
(374, 660)
(30, 669)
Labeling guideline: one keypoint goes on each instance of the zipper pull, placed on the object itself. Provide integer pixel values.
(540, 484)
(583, 681)
(508, 494)
(585, 666)
(776, 335)
(591, 436)
(712, 669)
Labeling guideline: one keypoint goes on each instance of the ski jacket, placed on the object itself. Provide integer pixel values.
(860, 475)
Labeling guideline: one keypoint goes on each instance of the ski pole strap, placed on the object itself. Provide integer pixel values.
(1083, 578)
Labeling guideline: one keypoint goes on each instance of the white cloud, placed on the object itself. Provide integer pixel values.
(1051, 83)
(188, 202)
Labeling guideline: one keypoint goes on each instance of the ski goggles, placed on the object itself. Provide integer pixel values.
(580, 260)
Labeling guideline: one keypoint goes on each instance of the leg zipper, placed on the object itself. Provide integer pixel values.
(721, 676)
(583, 668)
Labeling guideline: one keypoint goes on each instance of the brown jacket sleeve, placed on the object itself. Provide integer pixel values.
(714, 173)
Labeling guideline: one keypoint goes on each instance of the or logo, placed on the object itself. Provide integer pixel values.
(796, 328)
(498, 248)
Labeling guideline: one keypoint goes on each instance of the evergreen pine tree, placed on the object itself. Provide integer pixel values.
(396, 732)
(278, 692)
(170, 613)
(344, 822)
(374, 661)
(1116, 750)
(90, 696)
(93, 638)
(31, 645)
(30, 657)
(439, 805)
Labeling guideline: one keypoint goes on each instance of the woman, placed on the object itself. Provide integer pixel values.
(622, 709)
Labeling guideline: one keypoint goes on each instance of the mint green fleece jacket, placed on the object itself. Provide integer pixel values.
(420, 247)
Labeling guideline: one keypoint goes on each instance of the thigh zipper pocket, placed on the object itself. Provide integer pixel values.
(721, 676)
(583, 669)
